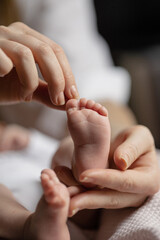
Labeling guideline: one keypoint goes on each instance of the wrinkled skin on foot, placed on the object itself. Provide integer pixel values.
(90, 130)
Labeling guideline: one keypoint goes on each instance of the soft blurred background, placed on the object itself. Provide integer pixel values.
(132, 30)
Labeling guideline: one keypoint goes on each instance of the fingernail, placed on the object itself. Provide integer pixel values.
(85, 179)
(123, 163)
(74, 92)
(60, 99)
(75, 211)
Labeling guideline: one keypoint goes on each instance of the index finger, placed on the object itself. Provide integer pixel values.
(107, 199)
(143, 179)
(70, 85)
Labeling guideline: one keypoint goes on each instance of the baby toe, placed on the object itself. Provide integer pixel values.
(71, 104)
(90, 104)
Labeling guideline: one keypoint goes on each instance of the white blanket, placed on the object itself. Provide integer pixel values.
(132, 224)
(20, 172)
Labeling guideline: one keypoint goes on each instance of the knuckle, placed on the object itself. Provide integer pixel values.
(58, 49)
(68, 76)
(4, 30)
(142, 128)
(24, 52)
(18, 25)
(114, 203)
(44, 49)
(127, 184)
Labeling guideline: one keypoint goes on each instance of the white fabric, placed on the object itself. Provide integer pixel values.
(141, 223)
(72, 24)
(20, 172)
(132, 224)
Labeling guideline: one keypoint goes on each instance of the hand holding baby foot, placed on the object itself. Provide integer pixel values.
(21, 48)
(90, 130)
(119, 189)
(127, 188)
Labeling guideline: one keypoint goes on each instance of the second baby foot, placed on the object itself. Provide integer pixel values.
(90, 130)
(49, 220)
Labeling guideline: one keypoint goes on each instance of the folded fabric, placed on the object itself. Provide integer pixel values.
(142, 223)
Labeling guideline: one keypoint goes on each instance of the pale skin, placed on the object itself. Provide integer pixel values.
(52, 210)
(90, 130)
(132, 150)
(120, 193)
(49, 220)
(13, 137)
(20, 49)
(45, 223)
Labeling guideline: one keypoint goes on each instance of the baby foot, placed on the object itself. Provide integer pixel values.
(49, 220)
(90, 130)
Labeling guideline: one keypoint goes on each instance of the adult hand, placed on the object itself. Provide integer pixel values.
(132, 150)
(21, 48)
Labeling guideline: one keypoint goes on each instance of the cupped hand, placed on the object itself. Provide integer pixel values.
(133, 151)
(21, 48)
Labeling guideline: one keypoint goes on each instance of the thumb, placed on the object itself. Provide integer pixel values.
(137, 141)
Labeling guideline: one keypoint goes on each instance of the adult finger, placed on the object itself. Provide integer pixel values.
(107, 199)
(65, 175)
(74, 190)
(23, 60)
(131, 144)
(70, 85)
(41, 94)
(145, 180)
(48, 64)
(5, 64)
